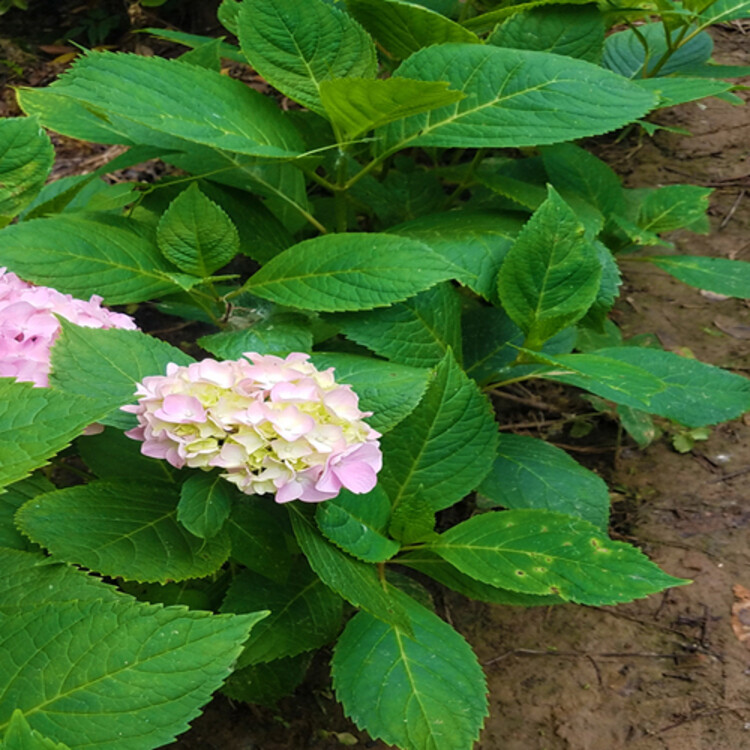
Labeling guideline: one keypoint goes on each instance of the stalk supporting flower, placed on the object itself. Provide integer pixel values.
(275, 426)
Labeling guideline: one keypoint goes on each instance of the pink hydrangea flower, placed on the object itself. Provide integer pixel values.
(28, 326)
(273, 425)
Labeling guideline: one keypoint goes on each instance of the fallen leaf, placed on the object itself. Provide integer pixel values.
(731, 327)
(741, 614)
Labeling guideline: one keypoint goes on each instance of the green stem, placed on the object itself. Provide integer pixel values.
(339, 197)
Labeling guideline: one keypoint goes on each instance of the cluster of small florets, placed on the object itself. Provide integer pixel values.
(28, 326)
(275, 426)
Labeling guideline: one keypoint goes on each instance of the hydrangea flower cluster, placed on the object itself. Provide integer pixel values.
(273, 425)
(28, 326)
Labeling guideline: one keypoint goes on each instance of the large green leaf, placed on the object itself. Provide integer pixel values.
(295, 46)
(446, 447)
(529, 473)
(503, 88)
(473, 241)
(26, 157)
(570, 30)
(115, 674)
(403, 27)
(694, 393)
(624, 52)
(121, 530)
(356, 105)
(108, 363)
(20, 736)
(37, 423)
(418, 691)
(100, 254)
(11, 499)
(305, 614)
(340, 272)
(352, 579)
(417, 332)
(540, 552)
(390, 391)
(357, 524)
(196, 235)
(720, 275)
(142, 99)
(551, 275)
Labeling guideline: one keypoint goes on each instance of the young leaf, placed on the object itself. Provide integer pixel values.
(403, 27)
(156, 666)
(340, 272)
(540, 552)
(11, 499)
(356, 105)
(37, 423)
(26, 157)
(417, 332)
(388, 390)
(355, 581)
(416, 691)
(121, 530)
(502, 87)
(357, 524)
(473, 241)
(720, 275)
(196, 235)
(106, 364)
(551, 275)
(141, 99)
(529, 473)
(305, 614)
(20, 736)
(205, 504)
(102, 254)
(295, 46)
(694, 393)
(266, 684)
(444, 450)
(570, 30)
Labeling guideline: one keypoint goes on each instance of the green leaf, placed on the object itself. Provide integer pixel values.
(403, 27)
(502, 87)
(624, 53)
(356, 105)
(357, 524)
(196, 41)
(475, 242)
(427, 562)
(339, 272)
(724, 11)
(391, 391)
(281, 335)
(674, 91)
(11, 499)
(135, 677)
(416, 332)
(305, 614)
(228, 13)
(673, 207)
(529, 473)
(196, 235)
(695, 394)
(206, 55)
(413, 519)
(205, 504)
(570, 30)
(106, 364)
(26, 157)
(266, 684)
(638, 425)
(355, 581)
(20, 736)
(609, 289)
(551, 275)
(121, 530)
(261, 538)
(37, 423)
(418, 691)
(540, 552)
(720, 275)
(102, 254)
(491, 340)
(487, 21)
(444, 450)
(141, 99)
(295, 46)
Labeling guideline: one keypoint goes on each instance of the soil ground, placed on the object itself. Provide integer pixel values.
(664, 673)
